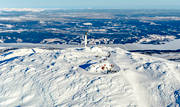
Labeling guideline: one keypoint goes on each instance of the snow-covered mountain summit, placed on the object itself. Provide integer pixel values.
(96, 76)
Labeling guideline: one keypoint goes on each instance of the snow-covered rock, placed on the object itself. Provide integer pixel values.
(53, 40)
(58, 78)
(157, 39)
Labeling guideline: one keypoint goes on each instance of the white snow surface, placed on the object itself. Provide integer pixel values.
(155, 37)
(171, 45)
(54, 78)
(87, 24)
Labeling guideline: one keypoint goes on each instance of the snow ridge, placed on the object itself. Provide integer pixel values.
(41, 77)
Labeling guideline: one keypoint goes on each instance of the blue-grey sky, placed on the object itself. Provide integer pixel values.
(117, 4)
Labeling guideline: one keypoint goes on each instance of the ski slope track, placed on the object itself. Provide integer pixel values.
(75, 77)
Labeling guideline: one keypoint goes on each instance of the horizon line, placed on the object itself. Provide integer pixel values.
(49, 8)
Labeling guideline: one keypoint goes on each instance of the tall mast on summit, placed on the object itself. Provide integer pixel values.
(86, 34)
(85, 40)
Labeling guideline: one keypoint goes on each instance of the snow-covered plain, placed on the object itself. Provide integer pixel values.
(72, 77)
(171, 45)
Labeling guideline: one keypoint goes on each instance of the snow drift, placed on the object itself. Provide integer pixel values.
(96, 76)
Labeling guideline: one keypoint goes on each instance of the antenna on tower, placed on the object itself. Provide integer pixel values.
(85, 39)
(86, 34)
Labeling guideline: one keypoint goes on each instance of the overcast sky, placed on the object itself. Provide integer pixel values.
(117, 4)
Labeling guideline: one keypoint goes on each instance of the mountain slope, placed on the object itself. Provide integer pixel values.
(96, 76)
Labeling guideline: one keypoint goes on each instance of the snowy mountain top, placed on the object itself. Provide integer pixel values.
(86, 77)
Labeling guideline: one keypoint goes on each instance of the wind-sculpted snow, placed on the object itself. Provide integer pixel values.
(86, 78)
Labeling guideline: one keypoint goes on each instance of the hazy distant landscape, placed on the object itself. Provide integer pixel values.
(105, 26)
